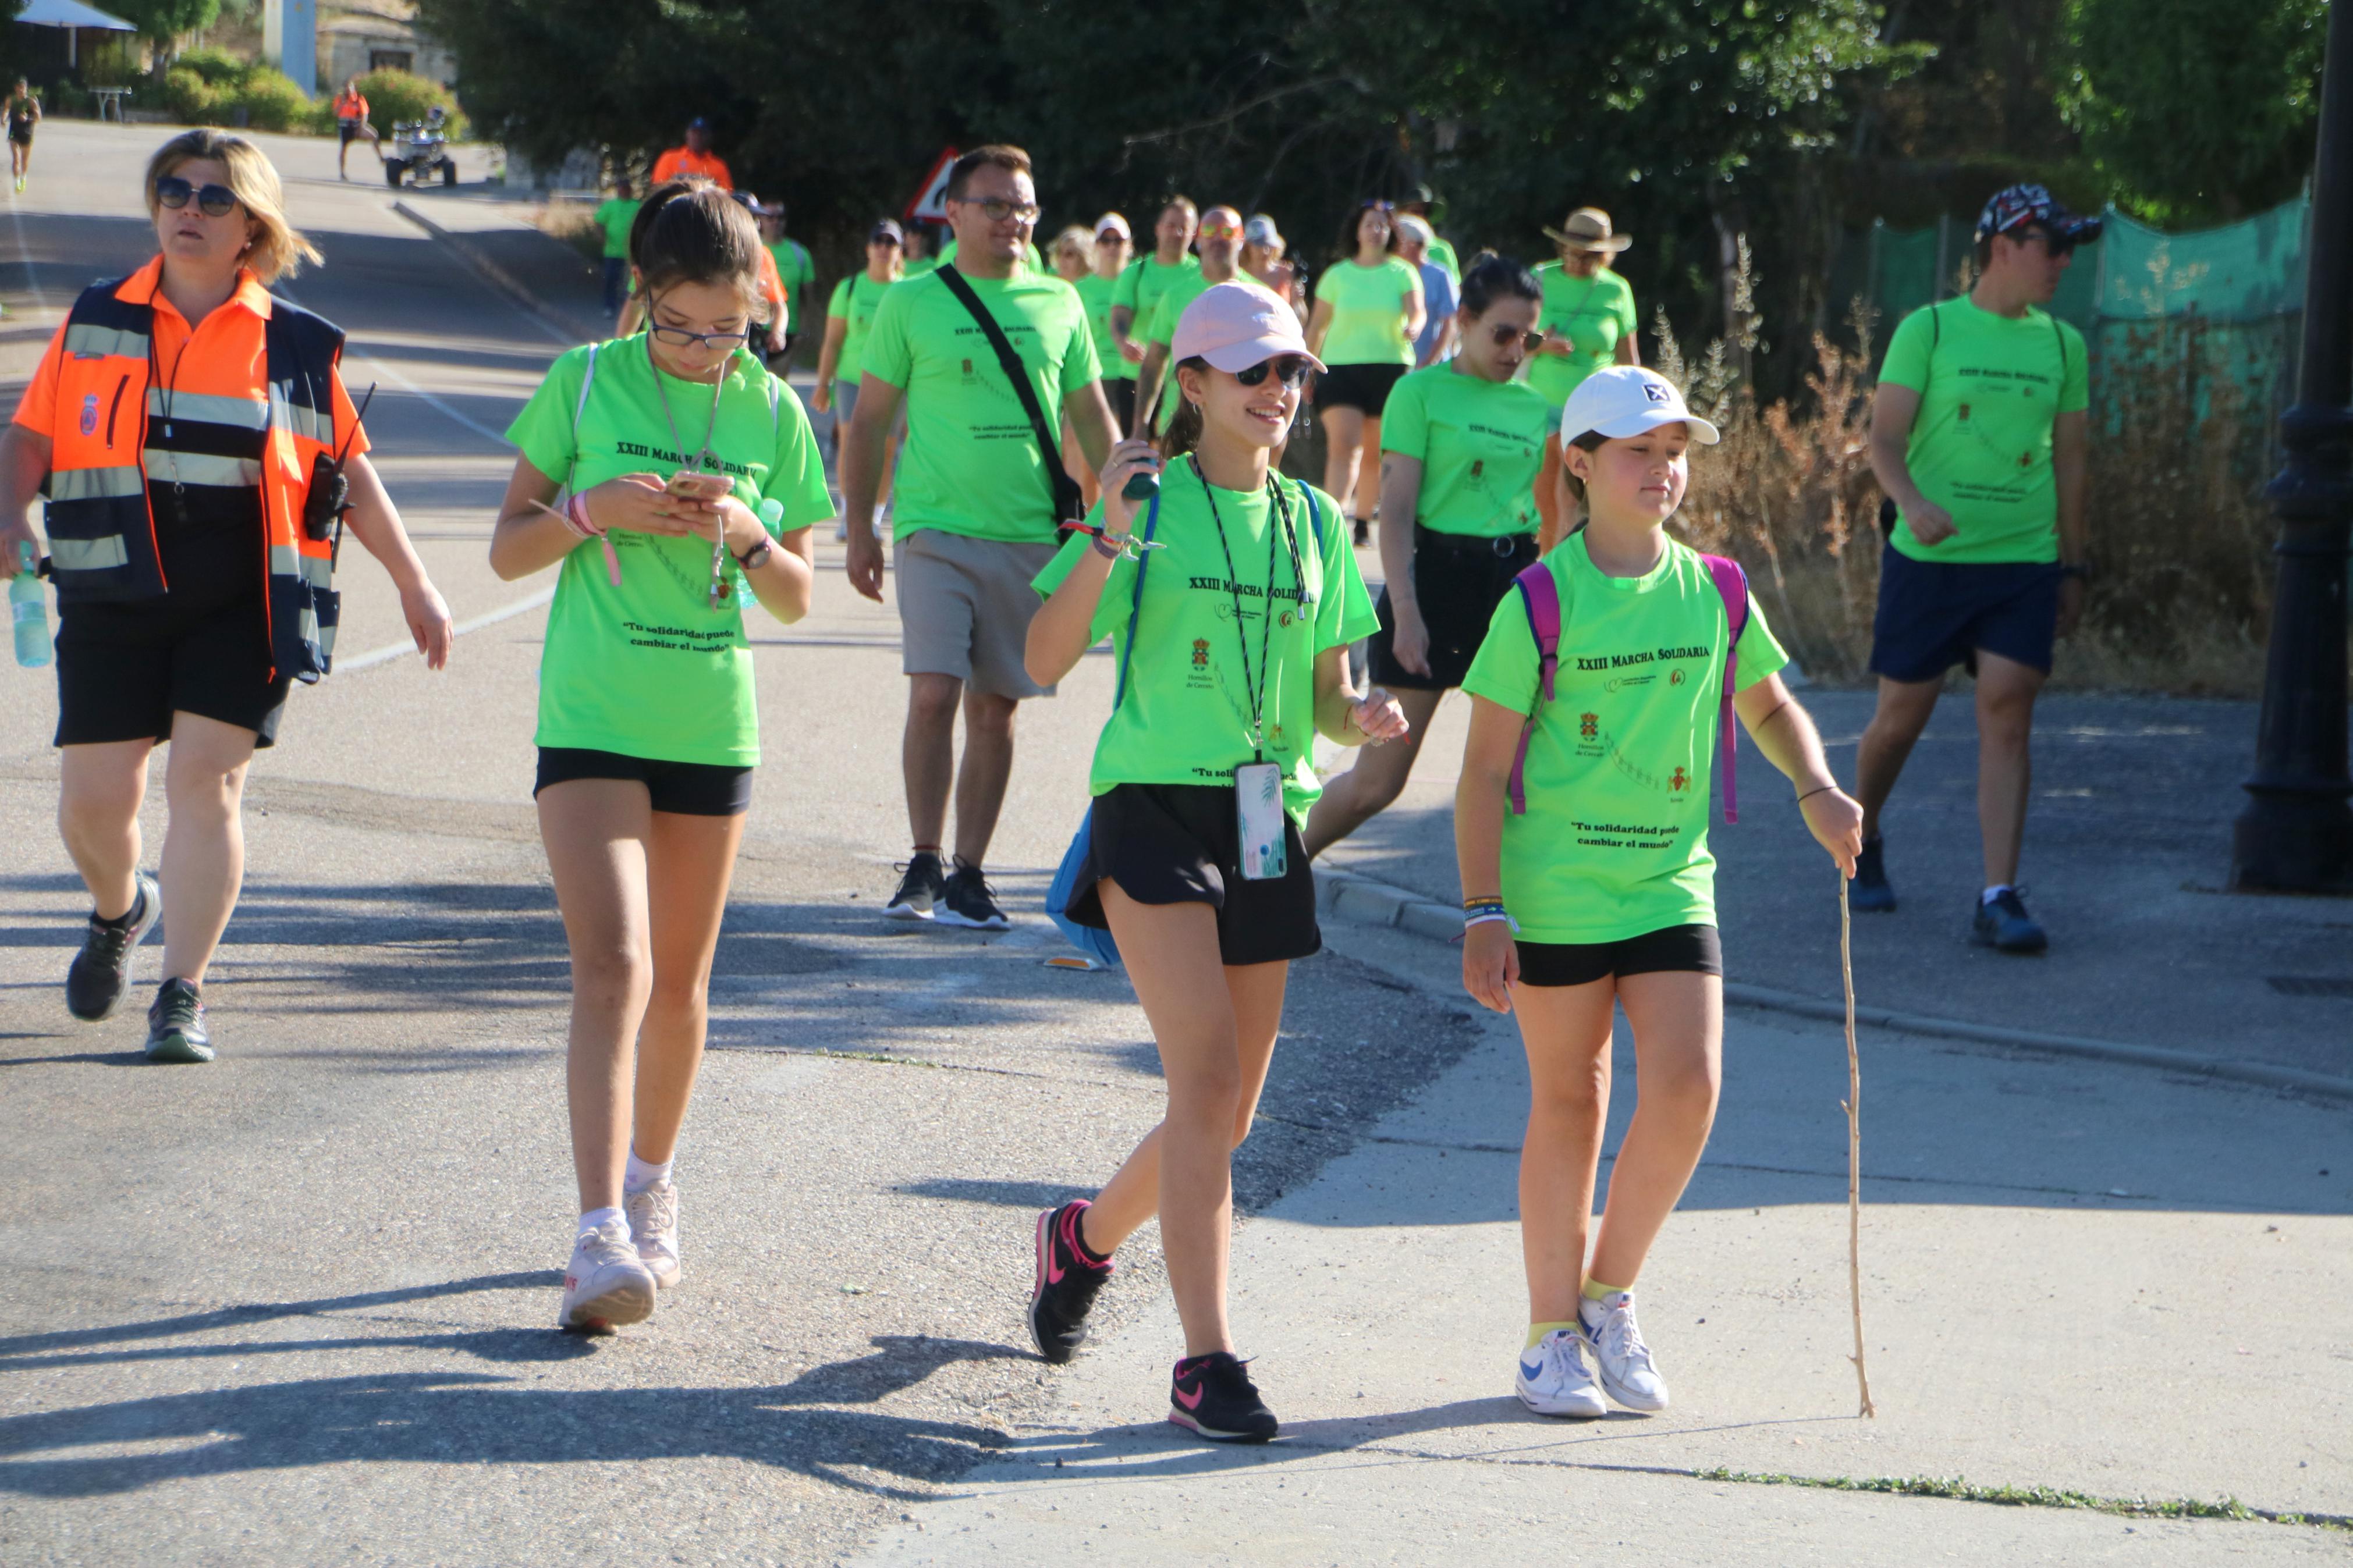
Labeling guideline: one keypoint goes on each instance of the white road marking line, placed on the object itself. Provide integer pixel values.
(391, 651)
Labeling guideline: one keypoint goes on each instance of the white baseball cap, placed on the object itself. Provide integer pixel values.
(1237, 324)
(1622, 400)
(1114, 223)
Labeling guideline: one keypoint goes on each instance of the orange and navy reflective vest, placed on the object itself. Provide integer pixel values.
(101, 531)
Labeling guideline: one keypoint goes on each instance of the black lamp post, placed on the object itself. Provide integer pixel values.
(2296, 834)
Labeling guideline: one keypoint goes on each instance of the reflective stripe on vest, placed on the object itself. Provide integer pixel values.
(95, 484)
(90, 339)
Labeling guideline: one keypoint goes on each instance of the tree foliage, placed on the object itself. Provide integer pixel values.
(2197, 107)
(164, 20)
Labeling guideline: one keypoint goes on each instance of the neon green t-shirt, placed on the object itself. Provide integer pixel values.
(971, 463)
(800, 275)
(855, 299)
(1593, 312)
(648, 668)
(1442, 252)
(1162, 329)
(1095, 294)
(614, 216)
(1614, 844)
(1186, 715)
(1367, 312)
(1991, 389)
(919, 265)
(1480, 443)
(1141, 283)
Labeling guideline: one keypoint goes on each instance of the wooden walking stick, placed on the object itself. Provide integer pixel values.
(1853, 1105)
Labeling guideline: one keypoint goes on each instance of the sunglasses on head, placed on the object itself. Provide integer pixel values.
(1503, 337)
(1292, 370)
(213, 201)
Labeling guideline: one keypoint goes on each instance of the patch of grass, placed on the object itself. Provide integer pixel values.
(1960, 1490)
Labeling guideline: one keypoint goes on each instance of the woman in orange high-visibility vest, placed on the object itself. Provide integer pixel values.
(186, 427)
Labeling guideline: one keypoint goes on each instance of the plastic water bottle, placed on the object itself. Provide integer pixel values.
(28, 607)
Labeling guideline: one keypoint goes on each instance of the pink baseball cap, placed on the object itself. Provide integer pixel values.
(1237, 324)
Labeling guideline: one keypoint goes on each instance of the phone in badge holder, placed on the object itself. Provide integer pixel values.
(1258, 806)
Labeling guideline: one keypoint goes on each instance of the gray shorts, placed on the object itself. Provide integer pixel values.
(964, 606)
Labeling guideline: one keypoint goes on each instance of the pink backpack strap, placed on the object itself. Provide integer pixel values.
(1732, 582)
(1540, 595)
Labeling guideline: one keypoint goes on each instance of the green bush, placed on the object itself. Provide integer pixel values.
(270, 100)
(190, 100)
(211, 87)
(218, 67)
(400, 96)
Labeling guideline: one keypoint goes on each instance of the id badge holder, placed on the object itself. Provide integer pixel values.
(1258, 806)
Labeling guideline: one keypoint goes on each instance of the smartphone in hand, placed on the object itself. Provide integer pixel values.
(699, 487)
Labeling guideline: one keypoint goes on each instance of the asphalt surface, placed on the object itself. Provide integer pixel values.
(298, 1305)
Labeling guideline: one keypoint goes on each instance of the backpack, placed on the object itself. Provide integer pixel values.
(1540, 595)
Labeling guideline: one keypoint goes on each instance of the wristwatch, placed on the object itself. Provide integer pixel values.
(752, 559)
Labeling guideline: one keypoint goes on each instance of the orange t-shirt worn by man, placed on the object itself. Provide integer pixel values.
(351, 106)
(681, 161)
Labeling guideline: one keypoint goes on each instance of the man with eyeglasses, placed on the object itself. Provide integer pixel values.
(974, 519)
(1222, 250)
(1978, 438)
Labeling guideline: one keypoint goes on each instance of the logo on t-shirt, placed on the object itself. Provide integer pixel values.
(1589, 726)
(1679, 781)
(1964, 413)
(1201, 653)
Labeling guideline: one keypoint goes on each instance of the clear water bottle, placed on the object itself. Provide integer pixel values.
(29, 609)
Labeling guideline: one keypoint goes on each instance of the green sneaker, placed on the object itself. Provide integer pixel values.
(175, 1024)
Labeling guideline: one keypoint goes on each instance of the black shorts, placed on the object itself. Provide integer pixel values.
(1179, 844)
(1365, 386)
(1693, 950)
(682, 789)
(1457, 581)
(1934, 615)
(348, 130)
(123, 669)
(21, 138)
(1119, 391)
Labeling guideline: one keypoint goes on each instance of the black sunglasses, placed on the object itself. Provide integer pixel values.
(1292, 370)
(213, 201)
(1503, 337)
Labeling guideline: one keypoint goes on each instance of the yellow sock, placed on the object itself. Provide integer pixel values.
(1595, 1291)
(1539, 1330)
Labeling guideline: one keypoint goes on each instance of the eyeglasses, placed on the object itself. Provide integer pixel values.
(213, 201)
(999, 209)
(680, 338)
(1292, 370)
(1503, 337)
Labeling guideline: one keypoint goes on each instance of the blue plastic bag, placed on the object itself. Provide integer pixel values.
(1096, 945)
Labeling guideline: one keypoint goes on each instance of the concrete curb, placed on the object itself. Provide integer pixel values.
(496, 276)
(1366, 901)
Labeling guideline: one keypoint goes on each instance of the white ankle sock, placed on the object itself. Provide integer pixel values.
(1990, 894)
(641, 1175)
(595, 1219)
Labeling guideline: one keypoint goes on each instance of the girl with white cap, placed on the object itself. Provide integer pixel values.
(1580, 827)
(1231, 599)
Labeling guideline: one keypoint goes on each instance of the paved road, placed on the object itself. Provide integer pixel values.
(296, 1305)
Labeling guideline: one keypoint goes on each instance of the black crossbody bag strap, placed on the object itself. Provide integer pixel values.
(1069, 506)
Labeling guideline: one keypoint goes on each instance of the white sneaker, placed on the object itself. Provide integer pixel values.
(653, 1227)
(1553, 1379)
(605, 1285)
(1618, 1351)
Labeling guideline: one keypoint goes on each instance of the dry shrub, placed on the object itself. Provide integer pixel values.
(2179, 531)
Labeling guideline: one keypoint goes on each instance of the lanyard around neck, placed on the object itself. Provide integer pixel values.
(1254, 687)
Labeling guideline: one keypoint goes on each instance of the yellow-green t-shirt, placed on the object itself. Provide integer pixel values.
(798, 275)
(855, 299)
(1141, 283)
(1095, 293)
(1030, 256)
(1367, 312)
(648, 668)
(1442, 253)
(1991, 389)
(614, 216)
(1614, 843)
(971, 463)
(1185, 718)
(1480, 443)
(1162, 329)
(1593, 312)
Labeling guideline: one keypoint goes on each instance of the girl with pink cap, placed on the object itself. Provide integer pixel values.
(1232, 596)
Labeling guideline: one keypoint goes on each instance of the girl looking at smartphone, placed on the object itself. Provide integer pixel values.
(1233, 649)
(647, 729)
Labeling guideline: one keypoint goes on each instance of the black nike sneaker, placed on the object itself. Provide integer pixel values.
(100, 972)
(175, 1024)
(1064, 1290)
(966, 900)
(1213, 1395)
(918, 890)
